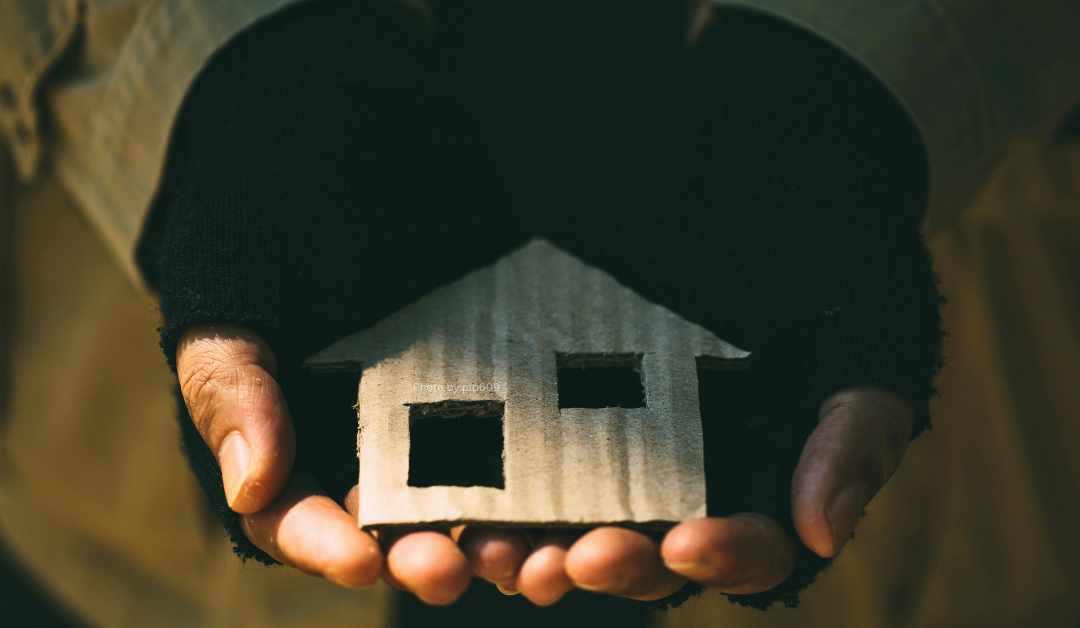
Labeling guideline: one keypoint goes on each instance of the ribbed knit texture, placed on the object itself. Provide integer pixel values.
(322, 177)
(775, 198)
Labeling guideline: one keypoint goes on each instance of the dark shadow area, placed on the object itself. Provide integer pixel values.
(22, 603)
(559, 88)
(456, 444)
(1068, 132)
(484, 606)
(724, 404)
(325, 404)
(1062, 238)
(600, 381)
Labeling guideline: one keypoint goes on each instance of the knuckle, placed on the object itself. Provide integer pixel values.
(202, 376)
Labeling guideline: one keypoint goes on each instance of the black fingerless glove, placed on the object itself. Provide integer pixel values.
(321, 178)
(775, 199)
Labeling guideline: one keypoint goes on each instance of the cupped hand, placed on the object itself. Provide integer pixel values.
(226, 377)
(861, 437)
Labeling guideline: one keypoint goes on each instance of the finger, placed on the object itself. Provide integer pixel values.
(495, 555)
(306, 529)
(620, 562)
(406, 571)
(430, 565)
(861, 437)
(542, 578)
(741, 554)
(226, 377)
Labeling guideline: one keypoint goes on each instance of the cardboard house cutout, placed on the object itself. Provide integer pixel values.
(538, 390)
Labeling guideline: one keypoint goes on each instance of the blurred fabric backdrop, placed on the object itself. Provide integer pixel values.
(978, 528)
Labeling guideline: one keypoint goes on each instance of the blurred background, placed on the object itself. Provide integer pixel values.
(980, 526)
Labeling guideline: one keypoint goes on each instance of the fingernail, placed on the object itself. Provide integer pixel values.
(695, 570)
(592, 588)
(343, 581)
(844, 512)
(612, 585)
(507, 588)
(333, 576)
(235, 460)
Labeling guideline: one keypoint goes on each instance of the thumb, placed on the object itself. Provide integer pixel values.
(227, 379)
(861, 437)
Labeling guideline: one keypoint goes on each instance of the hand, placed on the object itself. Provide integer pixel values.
(861, 437)
(227, 380)
(226, 375)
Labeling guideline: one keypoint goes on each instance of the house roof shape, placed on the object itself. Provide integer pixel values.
(499, 335)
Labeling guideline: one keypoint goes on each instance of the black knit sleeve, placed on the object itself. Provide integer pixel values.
(322, 176)
(775, 198)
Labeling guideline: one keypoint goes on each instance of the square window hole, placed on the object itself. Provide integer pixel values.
(456, 443)
(600, 380)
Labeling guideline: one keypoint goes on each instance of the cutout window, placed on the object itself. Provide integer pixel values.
(456, 443)
(327, 398)
(732, 412)
(600, 380)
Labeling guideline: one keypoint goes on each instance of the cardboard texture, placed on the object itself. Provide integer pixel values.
(488, 351)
